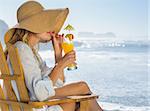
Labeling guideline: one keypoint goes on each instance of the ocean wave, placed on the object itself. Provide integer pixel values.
(119, 107)
(103, 45)
(120, 46)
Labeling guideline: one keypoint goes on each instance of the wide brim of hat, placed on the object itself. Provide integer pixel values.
(45, 21)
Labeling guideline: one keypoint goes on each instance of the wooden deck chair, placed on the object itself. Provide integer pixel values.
(8, 98)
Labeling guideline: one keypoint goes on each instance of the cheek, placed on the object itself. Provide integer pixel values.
(46, 37)
(49, 37)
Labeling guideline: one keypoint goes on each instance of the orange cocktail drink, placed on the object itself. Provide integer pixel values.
(68, 46)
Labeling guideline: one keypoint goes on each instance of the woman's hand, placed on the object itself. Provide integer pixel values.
(57, 42)
(68, 59)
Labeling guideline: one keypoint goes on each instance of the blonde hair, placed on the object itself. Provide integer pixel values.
(21, 35)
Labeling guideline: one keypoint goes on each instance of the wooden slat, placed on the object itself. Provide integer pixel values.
(7, 84)
(15, 103)
(62, 100)
(84, 105)
(4, 107)
(9, 77)
(18, 70)
(27, 108)
(5, 70)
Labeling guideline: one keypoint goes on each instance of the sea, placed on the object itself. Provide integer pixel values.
(116, 70)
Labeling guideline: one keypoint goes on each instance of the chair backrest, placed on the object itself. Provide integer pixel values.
(18, 71)
(18, 76)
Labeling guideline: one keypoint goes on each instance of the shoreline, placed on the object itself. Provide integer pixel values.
(119, 107)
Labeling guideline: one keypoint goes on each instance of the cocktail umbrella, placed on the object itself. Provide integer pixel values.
(69, 28)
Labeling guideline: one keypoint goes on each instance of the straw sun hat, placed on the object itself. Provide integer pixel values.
(33, 17)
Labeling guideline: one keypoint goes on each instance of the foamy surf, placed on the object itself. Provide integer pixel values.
(119, 107)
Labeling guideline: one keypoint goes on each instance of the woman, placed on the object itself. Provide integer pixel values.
(37, 25)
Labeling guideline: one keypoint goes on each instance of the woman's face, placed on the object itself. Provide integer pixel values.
(44, 37)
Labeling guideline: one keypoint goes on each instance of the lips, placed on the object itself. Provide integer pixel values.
(49, 33)
(56, 35)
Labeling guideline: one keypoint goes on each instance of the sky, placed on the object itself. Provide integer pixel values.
(126, 18)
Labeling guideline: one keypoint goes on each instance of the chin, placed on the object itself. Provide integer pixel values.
(45, 41)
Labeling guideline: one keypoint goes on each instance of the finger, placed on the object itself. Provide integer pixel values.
(71, 52)
(71, 61)
(57, 36)
(62, 35)
(75, 63)
(61, 38)
(74, 52)
(52, 33)
(53, 39)
(69, 56)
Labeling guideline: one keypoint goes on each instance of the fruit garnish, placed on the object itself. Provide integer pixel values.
(69, 36)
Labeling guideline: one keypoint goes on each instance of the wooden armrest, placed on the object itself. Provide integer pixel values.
(51, 102)
(62, 100)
